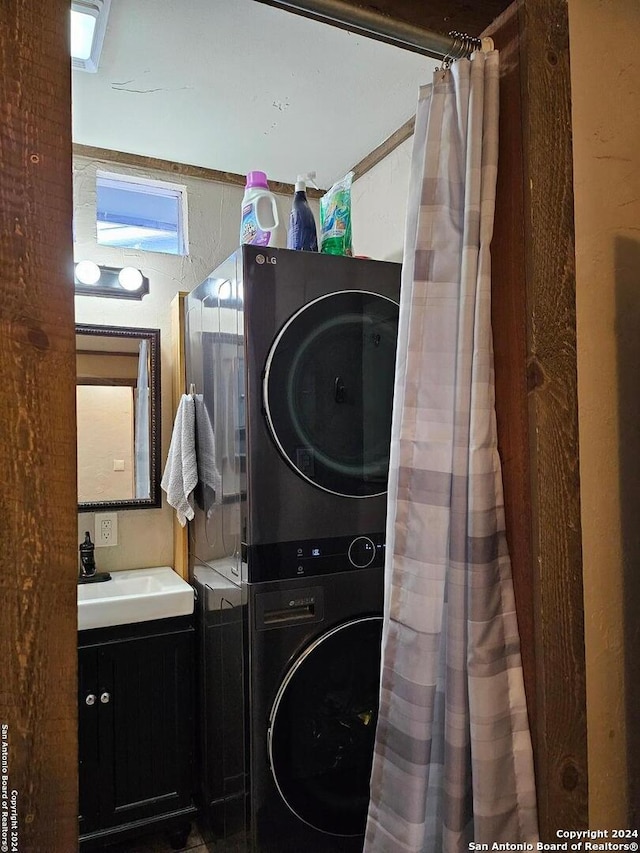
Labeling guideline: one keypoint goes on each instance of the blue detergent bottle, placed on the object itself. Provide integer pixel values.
(302, 235)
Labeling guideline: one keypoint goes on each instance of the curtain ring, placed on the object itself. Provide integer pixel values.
(458, 49)
(449, 57)
(463, 46)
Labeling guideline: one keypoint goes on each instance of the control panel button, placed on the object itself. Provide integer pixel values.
(362, 552)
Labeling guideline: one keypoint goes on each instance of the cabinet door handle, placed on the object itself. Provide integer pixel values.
(105, 698)
(91, 699)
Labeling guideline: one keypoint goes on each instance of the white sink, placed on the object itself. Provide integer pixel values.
(134, 596)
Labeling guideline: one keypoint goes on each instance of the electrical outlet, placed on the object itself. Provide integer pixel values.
(106, 529)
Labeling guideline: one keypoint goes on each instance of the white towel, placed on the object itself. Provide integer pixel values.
(181, 471)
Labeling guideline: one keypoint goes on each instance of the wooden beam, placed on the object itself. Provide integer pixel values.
(534, 331)
(553, 413)
(384, 149)
(139, 161)
(38, 520)
(509, 322)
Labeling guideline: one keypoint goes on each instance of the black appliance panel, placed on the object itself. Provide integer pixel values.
(322, 728)
(282, 505)
(312, 557)
(328, 391)
(221, 731)
(312, 676)
(249, 493)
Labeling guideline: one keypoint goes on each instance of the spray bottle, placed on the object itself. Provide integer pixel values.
(302, 234)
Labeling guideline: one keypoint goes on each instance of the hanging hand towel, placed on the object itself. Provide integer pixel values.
(181, 471)
(208, 473)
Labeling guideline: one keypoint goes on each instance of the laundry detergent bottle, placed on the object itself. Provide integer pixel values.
(302, 234)
(259, 212)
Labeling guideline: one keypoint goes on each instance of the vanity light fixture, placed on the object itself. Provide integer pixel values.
(130, 278)
(87, 272)
(119, 282)
(88, 25)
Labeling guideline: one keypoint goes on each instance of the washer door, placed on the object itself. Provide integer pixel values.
(322, 728)
(328, 391)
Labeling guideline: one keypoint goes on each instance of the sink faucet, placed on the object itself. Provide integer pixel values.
(87, 562)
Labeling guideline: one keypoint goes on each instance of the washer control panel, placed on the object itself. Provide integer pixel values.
(311, 557)
(362, 552)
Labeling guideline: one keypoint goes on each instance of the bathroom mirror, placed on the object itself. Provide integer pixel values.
(118, 417)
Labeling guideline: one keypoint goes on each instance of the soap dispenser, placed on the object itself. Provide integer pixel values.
(87, 561)
(88, 572)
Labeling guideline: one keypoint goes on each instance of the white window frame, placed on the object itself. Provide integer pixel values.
(151, 186)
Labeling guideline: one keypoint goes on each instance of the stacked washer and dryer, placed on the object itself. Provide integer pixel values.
(291, 359)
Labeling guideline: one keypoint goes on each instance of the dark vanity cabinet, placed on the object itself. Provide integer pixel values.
(136, 729)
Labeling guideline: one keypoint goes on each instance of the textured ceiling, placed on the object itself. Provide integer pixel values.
(236, 85)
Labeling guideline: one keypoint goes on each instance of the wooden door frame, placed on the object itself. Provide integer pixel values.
(534, 317)
(534, 323)
(38, 519)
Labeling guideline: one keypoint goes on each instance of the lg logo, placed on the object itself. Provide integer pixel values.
(261, 259)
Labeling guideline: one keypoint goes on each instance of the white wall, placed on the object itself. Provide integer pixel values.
(605, 83)
(379, 204)
(145, 537)
(105, 424)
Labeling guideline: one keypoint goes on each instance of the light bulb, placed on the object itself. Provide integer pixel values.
(87, 272)
(130, 278)
(83, 26)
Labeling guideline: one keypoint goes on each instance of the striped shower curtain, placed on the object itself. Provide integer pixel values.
(453, 759)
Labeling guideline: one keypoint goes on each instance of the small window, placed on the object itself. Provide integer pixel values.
(136, 213)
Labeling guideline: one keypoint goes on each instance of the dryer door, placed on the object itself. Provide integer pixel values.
(322, 728)
(328, 391)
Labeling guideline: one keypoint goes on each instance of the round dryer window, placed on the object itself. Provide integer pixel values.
(328, 391)
(322, 728)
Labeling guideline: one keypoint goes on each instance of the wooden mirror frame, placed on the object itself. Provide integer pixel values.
(155, 498)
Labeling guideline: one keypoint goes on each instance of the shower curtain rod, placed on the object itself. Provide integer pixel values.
(373, 24)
